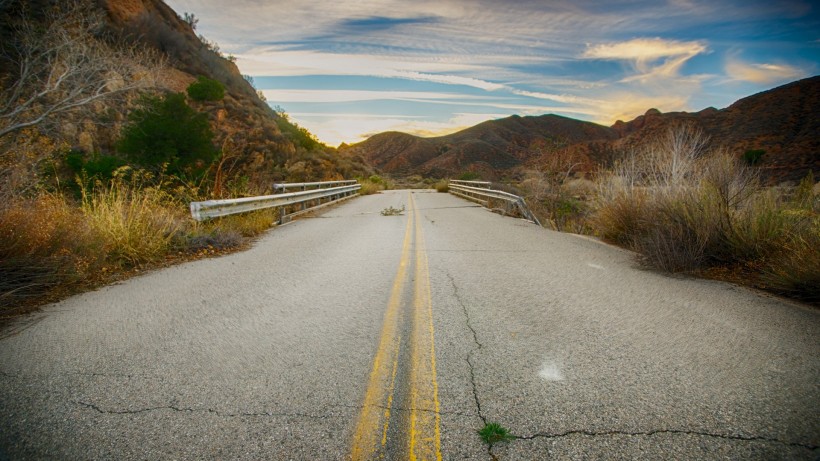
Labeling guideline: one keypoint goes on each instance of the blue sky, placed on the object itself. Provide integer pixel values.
(349, 69)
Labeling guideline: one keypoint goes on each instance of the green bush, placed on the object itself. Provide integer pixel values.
(206, 89)
(753, 156)
(469, 176)
(99, 166)
(166, 131)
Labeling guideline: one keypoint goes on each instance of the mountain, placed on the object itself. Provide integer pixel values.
(489, 147)
(784, 122)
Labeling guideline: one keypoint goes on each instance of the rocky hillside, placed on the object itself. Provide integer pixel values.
(258, 145)
(784, 122)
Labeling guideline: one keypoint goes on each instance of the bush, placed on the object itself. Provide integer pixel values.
(753, 156)
(98, 167)
(442, 186)
(469, 176)
(206, 89)
(165, 131)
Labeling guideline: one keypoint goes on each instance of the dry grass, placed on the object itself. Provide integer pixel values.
(45, 245)
(51, 247)
(134, 225)
(442, 186)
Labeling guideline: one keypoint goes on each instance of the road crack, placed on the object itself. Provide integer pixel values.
(178, 409)
(588, 433)
(469, 358)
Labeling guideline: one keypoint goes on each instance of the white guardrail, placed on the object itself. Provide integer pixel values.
(483, 195)
(216, 208)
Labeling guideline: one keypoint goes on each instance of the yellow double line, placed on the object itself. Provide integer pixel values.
(422, 423)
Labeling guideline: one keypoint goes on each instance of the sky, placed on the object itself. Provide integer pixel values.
(346, 70)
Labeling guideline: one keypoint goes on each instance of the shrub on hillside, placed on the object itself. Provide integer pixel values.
(166, 131)
(206, 89)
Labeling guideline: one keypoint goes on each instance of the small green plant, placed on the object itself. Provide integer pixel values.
(493, 433)
(390, 211)
(753, 156)
(469, 176)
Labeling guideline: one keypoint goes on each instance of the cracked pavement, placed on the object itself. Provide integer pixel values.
(265, 354)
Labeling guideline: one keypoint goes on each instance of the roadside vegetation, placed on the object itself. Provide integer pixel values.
(100, 161)
(684, 209)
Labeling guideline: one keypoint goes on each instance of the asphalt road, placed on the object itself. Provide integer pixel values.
(356, 335)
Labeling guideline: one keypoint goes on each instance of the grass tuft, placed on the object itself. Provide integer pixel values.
(493, 433)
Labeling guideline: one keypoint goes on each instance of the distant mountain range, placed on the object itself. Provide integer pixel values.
(784, 122)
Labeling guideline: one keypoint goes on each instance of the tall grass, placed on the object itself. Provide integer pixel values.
(133, 224)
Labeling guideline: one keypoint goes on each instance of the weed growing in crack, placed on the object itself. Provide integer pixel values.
(390, 211)
(493, 433)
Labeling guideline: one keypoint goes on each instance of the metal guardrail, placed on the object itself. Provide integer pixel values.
(475, 194)
(216, 208)
(305, 185)
(487, 184)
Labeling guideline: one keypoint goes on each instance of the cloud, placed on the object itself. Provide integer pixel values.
(335, 129)
(762, 73)
(334, 96)
(373, 23)
(653, 58)
(563, 98)
(628, 105)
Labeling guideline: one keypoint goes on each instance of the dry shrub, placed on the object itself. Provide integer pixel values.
(44, 243)
(686, 210)
(369, 188)
(795, 270)
(442, 186)
(373, 185)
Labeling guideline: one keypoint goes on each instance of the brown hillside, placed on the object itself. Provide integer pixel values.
(490, 148)
(783, 121)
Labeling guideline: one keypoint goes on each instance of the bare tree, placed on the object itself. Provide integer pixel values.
(65, 64)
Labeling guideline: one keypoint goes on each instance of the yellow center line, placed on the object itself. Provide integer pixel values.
(423, 424)
(381, 383)
(425, 420)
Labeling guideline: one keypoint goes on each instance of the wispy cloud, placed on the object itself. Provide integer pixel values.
(330, 96)
(651, 57)
(762, 73)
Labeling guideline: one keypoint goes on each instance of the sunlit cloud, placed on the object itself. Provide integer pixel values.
(335, 129)
(564, 98)
(652, 57)
(626, 106)
(762, 73)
